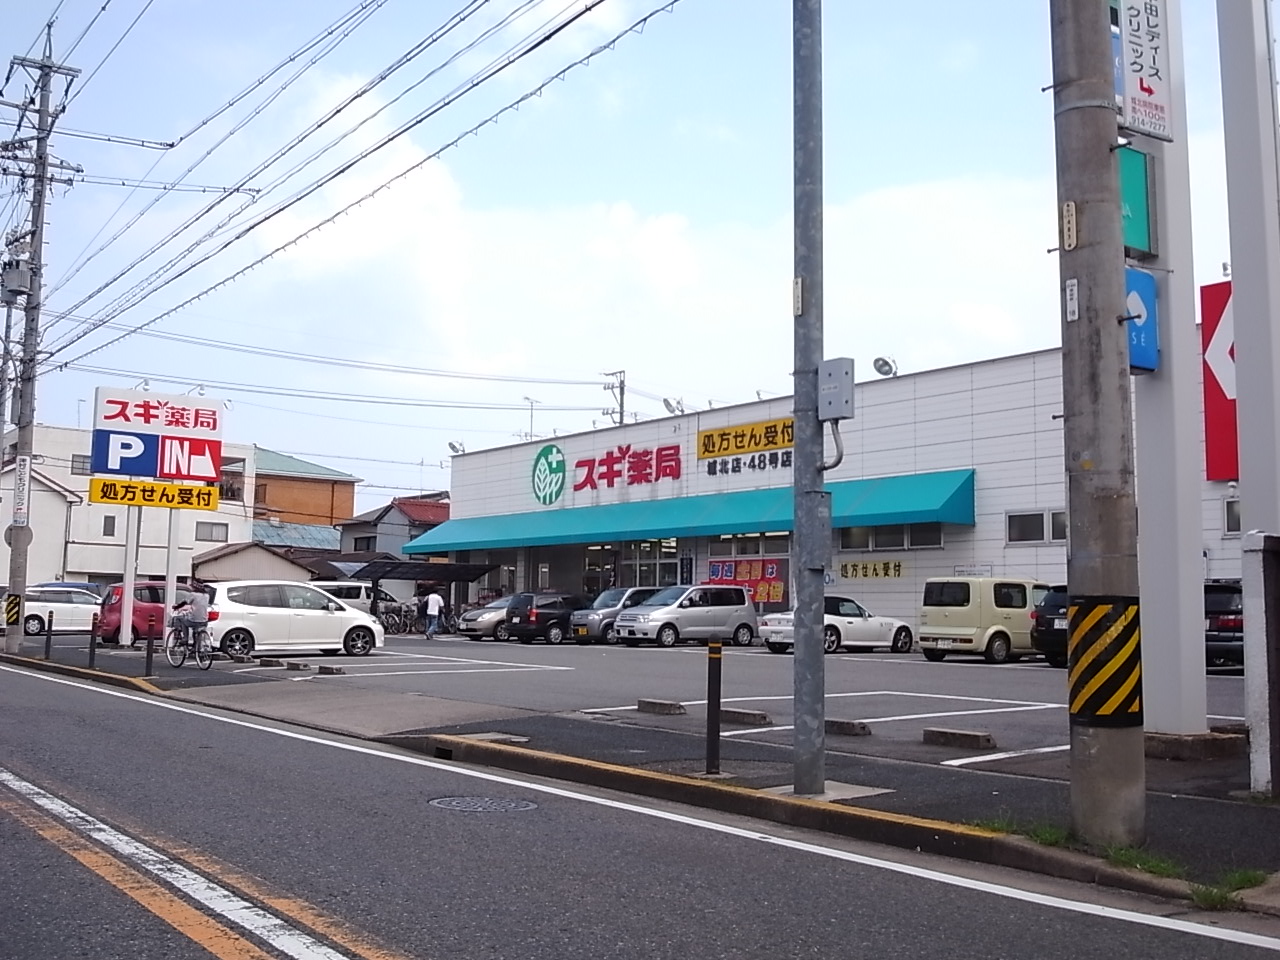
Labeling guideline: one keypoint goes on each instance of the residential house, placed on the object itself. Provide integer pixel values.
(388, 528)
(292, 490)
(247, 561)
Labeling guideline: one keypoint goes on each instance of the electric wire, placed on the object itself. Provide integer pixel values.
(635, 27)
(85, 32)
(114, 47)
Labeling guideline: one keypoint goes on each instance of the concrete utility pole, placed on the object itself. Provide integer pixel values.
(812, 528)
(1108, 777)
(44, 70)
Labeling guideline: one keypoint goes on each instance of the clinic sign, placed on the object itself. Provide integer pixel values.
(156, 436)
(1144, 59)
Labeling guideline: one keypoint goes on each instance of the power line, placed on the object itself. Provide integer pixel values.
(90, 179)
(492, 118)
(115, 46)
(85, 32)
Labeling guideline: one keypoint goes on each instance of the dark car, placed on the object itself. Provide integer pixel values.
(1223, 623)
(1049, 625)
(542, 616)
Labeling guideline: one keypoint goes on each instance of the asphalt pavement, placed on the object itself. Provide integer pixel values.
(367, 851)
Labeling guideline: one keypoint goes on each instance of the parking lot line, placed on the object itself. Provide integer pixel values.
(412, 672)
(909, 716)
(1004, 755)
(856, 693)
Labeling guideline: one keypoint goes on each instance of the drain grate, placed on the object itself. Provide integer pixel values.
(483, 804)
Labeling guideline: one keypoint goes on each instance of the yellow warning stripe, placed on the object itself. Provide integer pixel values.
(1104, 639)
(1107, 671)
(1126, 688)
(1082, 629)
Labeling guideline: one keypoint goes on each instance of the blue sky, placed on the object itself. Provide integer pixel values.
(635, 216)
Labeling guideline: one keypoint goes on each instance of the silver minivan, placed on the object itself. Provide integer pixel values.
(675, 614)
(596, 622)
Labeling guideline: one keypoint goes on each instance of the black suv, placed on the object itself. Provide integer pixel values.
(542, 616)
(1223, 623)
(1049, 625)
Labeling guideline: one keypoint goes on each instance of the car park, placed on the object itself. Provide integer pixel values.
(1049, 625)
(987, 616)
(487, 621)
(846, 623)
(1224, 623)
(542, 616)
(72, 610)
(595, 624)
(255, 615)
(677, 614)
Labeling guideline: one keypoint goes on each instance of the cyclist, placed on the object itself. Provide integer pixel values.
(192, 609)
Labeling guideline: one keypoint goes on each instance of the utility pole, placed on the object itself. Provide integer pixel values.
(812, 527)
(43, 70)
(1108, 776)
(619, 390)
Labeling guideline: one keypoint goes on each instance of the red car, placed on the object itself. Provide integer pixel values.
(150, 612)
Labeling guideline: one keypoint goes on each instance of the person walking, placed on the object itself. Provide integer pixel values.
(434, 605)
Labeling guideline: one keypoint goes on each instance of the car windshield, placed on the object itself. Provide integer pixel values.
(610, 598)
(665, 598)
(1056, 597)
(1223, 600)
(498, 604)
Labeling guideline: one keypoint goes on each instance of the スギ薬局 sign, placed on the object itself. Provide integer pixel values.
(137, 433)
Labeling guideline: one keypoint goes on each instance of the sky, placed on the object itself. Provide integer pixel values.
(635, 215)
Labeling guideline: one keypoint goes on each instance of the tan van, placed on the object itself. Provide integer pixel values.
(986, 615)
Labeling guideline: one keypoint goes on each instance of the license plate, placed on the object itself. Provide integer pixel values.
(944, 644)
(1060, 623)
(579, 631)
(515, 619)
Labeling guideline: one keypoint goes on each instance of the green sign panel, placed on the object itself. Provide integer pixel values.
(1135, 203)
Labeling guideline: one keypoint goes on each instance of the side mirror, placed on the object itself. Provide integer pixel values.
(333, 606)
(684, 603)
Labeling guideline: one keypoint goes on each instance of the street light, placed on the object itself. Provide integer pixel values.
(886, 366)
(457, 447)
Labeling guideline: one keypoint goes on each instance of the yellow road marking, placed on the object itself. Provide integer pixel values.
(220, 941)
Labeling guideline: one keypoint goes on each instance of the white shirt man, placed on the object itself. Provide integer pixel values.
(435, 604)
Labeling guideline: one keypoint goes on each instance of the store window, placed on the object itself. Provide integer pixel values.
(649, 563)
(721, 547)
(1025, 527)
(746, 545)
(213, 532)
(890, 538)
(925, 535)
(81, 465)
(1231, 516)
(855, 538)
(777, 544)
(1058, 526)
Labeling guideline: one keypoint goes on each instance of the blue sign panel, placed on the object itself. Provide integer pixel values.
(126, 454)
(1144, 321)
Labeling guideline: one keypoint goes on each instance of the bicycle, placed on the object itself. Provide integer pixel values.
(177, 643)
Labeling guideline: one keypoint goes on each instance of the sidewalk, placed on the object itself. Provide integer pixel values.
(73, 651)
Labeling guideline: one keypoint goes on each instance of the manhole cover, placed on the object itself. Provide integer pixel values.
(483, 804)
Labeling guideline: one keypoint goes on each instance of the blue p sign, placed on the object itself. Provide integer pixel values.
(125, 454)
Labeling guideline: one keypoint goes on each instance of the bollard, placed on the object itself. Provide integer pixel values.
(714, 660)
(48, 635)
(93, 641)
(151, 642)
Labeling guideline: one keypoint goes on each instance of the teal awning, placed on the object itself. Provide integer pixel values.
(943, 497)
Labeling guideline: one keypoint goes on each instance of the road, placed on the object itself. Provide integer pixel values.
(137, 827)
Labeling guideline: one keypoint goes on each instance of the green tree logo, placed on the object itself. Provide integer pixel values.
(548, 474)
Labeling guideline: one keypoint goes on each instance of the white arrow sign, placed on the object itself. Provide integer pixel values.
(1217, 356)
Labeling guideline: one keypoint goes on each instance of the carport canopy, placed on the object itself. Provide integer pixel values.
(435, 570)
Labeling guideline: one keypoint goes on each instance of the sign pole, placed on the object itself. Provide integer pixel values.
(170, 568)
(132, 523)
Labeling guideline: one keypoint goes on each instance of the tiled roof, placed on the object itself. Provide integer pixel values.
(422, 511)
(274, 533)
(269, 463)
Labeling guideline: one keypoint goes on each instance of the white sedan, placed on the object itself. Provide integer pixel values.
(847, 624)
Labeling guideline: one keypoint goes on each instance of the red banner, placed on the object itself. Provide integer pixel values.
(766, 578)
(1217, 338)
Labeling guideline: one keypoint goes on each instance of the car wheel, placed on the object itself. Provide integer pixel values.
(668, 636)
(501, 632)
(237, 643)
(934, 656)
(743, 636)
(610, 634)
(830, 639)
(555, 634)
(358, 642)
(901, 640)
(1058, 660)
(776, 647)
(33, 625)
(998, 649)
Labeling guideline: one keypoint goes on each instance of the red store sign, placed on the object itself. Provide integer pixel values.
(628, 465)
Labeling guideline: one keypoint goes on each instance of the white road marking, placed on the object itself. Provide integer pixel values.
(859, 693)
(909, 716)
(491, 666)
(1034, 898)
(1006, 755)
(217, 899)
(411, 672)
(1040, 665)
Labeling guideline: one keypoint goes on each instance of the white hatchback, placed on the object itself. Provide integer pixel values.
(846, 623)
(249, 615)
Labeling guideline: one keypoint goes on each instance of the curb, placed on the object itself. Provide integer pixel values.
(80, 673)
(860, 823)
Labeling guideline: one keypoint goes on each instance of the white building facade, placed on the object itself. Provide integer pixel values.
(946, 472)
(76, 540)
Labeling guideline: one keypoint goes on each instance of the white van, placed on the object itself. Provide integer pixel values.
(354, 593)
(990, 616)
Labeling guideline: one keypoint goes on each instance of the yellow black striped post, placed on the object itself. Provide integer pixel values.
(1104, 658)
(12, 609)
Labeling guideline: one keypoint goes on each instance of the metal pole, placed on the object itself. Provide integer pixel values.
(715, 659)
(93, 641)
(45, 70)
(1108, 776)
(48, 636)
(1249, 117)
(132, 534)
(171, 562)
(812, 528)
(151, 644)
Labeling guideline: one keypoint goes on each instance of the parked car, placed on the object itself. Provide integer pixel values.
(487, 621)
(1049, 625)
(542, 616)
(72, 610)
(675, 614)
(249, 615)
(595, 624)
(846, 623)
(1223, 623)
(990, 616)
(87, 586)
(354, 593)
(149, 611)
